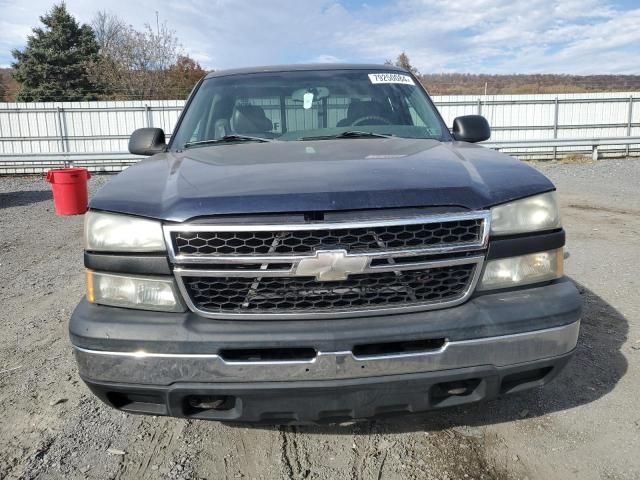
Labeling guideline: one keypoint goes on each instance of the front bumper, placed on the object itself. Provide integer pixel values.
(329, 401)
(167, 369)
(164, 364)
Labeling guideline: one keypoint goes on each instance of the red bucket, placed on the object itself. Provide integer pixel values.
(69, 187)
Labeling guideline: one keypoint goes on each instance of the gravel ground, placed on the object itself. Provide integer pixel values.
(584, 425)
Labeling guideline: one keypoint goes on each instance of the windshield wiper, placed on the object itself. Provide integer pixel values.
(228, 139)
(348, 134)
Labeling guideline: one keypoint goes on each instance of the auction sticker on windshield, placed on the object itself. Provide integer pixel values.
(391, 78)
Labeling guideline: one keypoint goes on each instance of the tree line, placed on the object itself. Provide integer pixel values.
(107, 60)
(480, 84)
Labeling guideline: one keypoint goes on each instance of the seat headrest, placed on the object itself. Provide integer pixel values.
(366, 108)
(250, 119)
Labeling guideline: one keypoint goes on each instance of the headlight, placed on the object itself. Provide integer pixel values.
(523, 270)
(532, 214)
(109, 232)
(144, 293)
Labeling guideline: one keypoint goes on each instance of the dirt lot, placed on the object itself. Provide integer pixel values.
(585, 425)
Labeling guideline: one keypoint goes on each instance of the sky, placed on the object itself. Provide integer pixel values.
(472, 36)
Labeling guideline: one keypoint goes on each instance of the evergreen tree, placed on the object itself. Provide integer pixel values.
(53, 65)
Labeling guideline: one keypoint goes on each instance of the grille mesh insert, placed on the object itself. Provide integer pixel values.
(308, 241)
(305, 294)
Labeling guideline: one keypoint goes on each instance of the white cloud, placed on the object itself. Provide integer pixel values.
(325, 58)
(505, 36)
(502, 36)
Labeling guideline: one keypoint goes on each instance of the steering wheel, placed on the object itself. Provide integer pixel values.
(377, 118)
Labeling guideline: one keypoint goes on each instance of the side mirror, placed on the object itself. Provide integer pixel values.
(147, 141)
(471, 128)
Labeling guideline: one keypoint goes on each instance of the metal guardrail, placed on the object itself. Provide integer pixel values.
(110, 162)
(592, 143)
(16, 164)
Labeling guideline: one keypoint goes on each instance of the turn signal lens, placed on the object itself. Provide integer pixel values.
(523, 270)
(90, 293)
(145, 293)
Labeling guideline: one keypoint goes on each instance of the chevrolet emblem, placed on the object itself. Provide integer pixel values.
(331, 265)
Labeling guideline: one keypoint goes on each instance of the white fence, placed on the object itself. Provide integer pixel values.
(37, 136)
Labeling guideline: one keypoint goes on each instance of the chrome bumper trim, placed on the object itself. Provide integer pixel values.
(291, 272)
(165, 369)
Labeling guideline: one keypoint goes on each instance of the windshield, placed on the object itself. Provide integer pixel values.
(306, 105)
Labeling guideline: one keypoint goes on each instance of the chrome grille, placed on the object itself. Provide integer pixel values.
(295, 242)
(328, 269)
(304, 294)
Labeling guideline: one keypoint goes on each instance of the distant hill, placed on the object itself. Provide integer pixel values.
(474, 84)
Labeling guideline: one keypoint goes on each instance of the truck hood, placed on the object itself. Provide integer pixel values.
(323, 175)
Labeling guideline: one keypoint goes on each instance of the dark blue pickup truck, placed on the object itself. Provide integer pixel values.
(314, 245)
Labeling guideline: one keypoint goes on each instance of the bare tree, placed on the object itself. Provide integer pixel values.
(108, 29)
(8, 85)
(404, 62)
(134, 64)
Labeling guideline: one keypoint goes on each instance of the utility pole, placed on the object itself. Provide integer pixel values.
(157, 23)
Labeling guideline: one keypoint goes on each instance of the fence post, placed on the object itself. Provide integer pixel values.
(62, 132)
(629, 119)
(147, 109)
(479, 106)
(555, 127)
